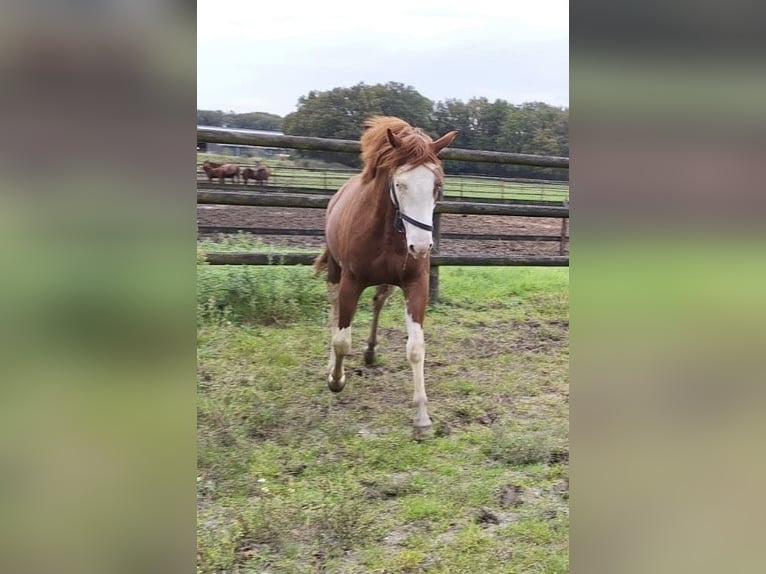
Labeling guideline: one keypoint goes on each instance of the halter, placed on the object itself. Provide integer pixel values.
(399, 217)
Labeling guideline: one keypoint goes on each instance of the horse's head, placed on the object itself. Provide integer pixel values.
(414, 190)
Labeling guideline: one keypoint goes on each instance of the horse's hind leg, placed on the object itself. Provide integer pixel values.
(335, 379)
(382, 293)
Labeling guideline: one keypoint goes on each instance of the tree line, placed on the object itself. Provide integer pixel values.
(531, 128)
(247, 121)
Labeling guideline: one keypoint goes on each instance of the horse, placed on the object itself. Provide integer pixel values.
(378, 232)
(222, 172)
(208, 163)
(258, 173)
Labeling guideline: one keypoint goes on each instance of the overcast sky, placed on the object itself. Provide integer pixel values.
(262, 56)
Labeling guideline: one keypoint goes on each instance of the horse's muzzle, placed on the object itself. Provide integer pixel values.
(419, 251)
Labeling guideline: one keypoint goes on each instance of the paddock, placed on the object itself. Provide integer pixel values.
(294, 478)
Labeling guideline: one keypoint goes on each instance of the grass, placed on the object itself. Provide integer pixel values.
(293, 478)
(253, 294)
(298, 173)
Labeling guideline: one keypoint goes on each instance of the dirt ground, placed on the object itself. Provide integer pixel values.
(281, 217)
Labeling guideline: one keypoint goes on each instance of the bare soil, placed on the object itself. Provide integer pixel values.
(303, 218)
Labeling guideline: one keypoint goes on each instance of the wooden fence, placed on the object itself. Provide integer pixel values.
(245, 137)
(208, 194)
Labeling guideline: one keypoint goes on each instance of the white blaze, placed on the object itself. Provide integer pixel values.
(414, 188)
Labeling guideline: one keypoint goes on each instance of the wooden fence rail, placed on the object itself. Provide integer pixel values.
(228, 258)
(296, 172)
(232, 229)
(320, 202)
(204, 185)
(244, 137)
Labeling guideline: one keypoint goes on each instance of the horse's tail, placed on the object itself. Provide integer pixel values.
(320, 263)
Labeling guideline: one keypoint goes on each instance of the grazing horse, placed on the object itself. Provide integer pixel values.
(258, 173)
(379, 232)
(222, 172)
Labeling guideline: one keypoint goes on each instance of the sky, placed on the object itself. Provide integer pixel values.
(262, 56)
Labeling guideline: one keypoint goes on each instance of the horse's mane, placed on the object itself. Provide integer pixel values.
(379, 156)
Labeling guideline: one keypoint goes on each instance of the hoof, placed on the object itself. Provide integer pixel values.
(336, 386)
(369, 357)
(422, 433)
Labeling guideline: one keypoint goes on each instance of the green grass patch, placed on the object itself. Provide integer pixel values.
(270, 294)
(294, 478)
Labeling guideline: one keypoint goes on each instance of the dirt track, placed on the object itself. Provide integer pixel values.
(281, 217)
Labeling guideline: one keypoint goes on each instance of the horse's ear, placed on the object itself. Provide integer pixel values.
(444, 141)
(392, 139)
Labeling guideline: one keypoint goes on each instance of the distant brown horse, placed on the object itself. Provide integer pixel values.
(207, 163)
(222, 172)
(379, 232)
(259, 173)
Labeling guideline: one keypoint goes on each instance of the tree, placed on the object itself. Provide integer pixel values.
(248, 121)
(340, 113)
(257, 121)
(210, 118)
(532, 128)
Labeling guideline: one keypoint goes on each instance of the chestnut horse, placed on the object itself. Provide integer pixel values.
(258, 173)
(379, 232)
(221, 172)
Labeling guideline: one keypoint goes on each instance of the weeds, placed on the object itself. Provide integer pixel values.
(515, 448)
(271, 294)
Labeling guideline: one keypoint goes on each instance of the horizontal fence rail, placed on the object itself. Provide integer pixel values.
(260, 230)
(261, 200)
(228, 258)
(242, 188)
(454, 184)
(319, 202)
(244, 137)
(231, 229)
(346, 172)
(469, 208)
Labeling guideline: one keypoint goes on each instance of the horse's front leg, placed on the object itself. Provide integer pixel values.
(382, 293)
(416, 297)
(344, 297)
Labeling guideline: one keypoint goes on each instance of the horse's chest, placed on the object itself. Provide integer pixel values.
(381, 269)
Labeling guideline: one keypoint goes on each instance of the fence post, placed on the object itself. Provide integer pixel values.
(433, 274)
(564, 230)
